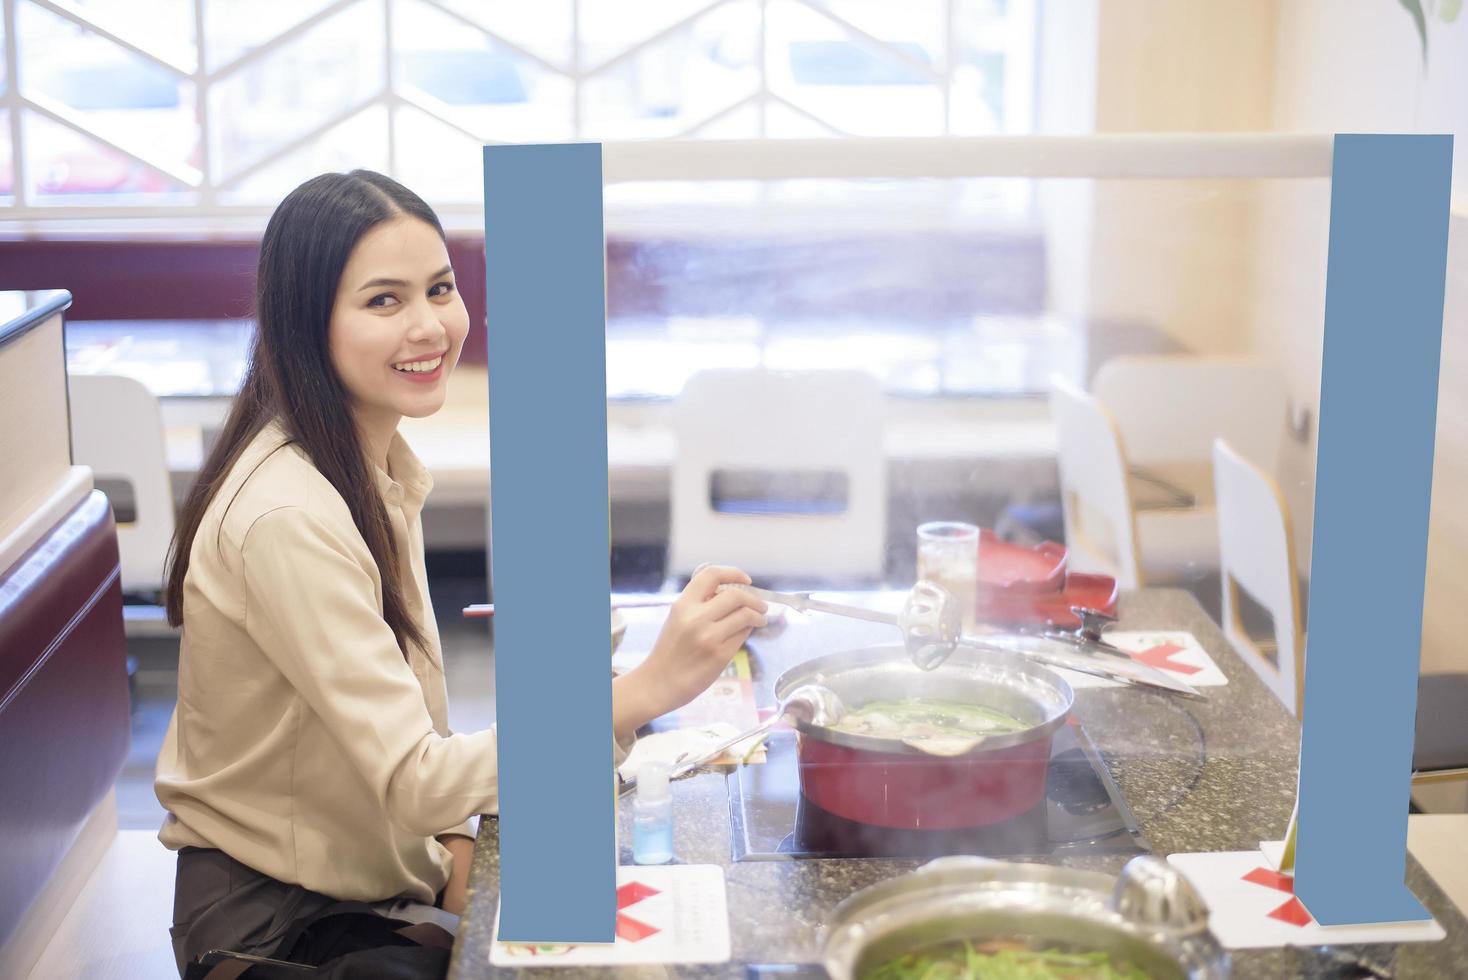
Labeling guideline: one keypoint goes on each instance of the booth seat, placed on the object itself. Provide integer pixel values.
(64, 721)
(77, 898)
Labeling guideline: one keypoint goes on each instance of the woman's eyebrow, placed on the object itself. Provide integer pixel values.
(374, 283)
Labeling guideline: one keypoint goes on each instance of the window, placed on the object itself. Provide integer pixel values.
(219, 106)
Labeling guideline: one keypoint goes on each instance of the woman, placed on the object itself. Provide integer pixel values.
(308, 761)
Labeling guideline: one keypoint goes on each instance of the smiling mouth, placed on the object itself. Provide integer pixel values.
(419, 367)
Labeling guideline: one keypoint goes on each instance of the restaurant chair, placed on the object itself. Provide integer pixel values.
(1257, 550)
(1257, 554)
(1168, 410)
(781, 473)
(1100, 533)
(117, 430)
(1241, 400)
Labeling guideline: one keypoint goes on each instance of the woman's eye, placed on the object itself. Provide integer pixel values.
(384, 300)
(442, 289)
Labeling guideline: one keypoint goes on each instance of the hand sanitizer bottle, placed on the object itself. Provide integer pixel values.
(652, 816)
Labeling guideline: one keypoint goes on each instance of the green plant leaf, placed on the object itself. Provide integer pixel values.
(1448, 10)
(1414, 7)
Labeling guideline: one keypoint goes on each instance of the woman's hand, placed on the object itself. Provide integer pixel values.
(705, 628)
(454, 893)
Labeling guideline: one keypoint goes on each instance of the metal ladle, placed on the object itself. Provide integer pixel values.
(932, 628)
(931, 624)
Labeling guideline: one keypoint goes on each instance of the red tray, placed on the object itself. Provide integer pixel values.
(1015, 569)
(1051, 608)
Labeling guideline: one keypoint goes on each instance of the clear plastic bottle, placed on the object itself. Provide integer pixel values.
(652, 816)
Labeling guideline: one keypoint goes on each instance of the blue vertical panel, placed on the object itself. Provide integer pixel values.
(548, 459)
(1378, 408)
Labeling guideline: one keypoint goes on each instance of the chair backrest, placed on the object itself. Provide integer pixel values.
(1096, 501)
(1257, 553)
(117, 430)
(755, 426)
(1170, 408)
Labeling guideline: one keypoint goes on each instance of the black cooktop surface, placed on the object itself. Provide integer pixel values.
(1083, 812)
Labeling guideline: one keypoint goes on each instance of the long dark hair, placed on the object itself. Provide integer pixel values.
(291, 377)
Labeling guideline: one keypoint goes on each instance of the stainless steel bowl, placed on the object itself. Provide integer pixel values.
(1149, 916)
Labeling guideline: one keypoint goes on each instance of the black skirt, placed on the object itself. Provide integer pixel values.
(219, 903)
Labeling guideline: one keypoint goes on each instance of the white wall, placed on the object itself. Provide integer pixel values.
(1177, 254)
(1065, 104)
(1346, 66)
(1225, 270)
(1447, 541)
(1356, 66)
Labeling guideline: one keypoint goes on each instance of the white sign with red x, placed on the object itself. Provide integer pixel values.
(1253, 905)
(669, 914)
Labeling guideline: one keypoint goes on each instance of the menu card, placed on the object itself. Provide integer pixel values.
(1252, 905)
(665, 914)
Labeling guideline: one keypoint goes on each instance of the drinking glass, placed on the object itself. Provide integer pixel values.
(948, 555)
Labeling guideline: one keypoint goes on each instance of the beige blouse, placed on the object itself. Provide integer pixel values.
(303, 745)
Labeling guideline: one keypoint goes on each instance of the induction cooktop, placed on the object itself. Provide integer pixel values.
(1082, 812)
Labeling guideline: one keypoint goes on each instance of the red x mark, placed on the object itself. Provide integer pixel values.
(629, 928)
(1161, 658)
(1292, 911)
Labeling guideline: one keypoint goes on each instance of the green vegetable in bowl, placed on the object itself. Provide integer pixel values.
(919, 718)
(1001, 961)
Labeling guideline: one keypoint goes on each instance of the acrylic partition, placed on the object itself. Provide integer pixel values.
(1114, 344)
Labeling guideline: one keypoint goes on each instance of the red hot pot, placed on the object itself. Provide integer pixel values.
(888, 783)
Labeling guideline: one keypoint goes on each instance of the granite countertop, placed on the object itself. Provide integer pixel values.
(1198, 776)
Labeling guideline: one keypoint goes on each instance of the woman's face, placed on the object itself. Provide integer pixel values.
(398, 323)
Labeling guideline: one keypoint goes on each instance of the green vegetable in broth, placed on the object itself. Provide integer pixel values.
(920, 718)
(1001, 961)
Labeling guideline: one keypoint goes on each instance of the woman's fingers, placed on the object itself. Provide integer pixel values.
(704, 630)
(727, 602)
(740, 623)
(707, 579)
(713, 633)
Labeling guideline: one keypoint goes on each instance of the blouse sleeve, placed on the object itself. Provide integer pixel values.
(312, 608)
